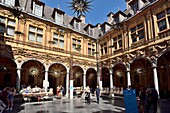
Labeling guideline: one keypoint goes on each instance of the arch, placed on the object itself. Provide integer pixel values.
(32, 73)
(137, 58)
(119, 75)
(161, 54)
(163, 69)
(57, 76)
(76, 73)
(141, 73)
(118, 63)
(91, 78)
(8, 72)
(105, 73)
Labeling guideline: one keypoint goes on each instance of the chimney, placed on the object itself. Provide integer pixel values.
(83, 18)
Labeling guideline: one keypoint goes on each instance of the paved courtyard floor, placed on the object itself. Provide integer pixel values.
(78, 105)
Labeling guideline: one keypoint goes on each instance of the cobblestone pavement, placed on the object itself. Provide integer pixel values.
(78, 105)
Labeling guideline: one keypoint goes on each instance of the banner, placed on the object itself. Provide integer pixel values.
(130, 101)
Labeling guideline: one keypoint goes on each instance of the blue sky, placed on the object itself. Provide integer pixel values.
(98, 14)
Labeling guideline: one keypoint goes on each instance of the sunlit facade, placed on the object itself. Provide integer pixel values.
(44, 46)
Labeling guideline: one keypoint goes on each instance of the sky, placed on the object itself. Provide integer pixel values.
(99, 12)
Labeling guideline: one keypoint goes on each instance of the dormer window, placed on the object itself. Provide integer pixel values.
(38, 8)
(58, 16)
(89, 29)
(103, 30)
(9, 2)
(75, 22)
(134, 6)
(77, 25)
(116, 19)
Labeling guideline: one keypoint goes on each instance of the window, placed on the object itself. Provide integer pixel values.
(76, 44)
(77, 25)
(137, 33)
(7, 26)
(59, 40)
(161, 21)
(91, 49)
(37, 9)
(135, 6)
(2, 28)
(10, 2)
(103, 30)
(2, 25)
(10, 28)
(116, 19)
(35, 34)
(168, 15)
(103, 48)
(59, 18)
(117, 42)
(140, 31)
(2, 19)
(90, 31)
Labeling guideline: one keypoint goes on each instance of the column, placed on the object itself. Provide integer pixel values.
(99, 80)
(111, 83)
(18, 79)
(128, 75)
(84, 82)
(155, 77)
(67, 84)
(71, 89)
(71, 84)
(111, 79)
(45, 82)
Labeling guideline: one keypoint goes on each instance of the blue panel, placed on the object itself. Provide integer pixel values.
(130, 101)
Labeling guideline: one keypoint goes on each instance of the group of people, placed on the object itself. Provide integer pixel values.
(7, 97)
(60, 91)
(148, 97)
(88, 93)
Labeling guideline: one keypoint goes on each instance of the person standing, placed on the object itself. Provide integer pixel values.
(97, 94)
(58, 91)
(87, 97)
(152, 98)
(142, 97)
(10, 98)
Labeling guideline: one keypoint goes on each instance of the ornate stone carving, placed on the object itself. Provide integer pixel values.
(153, 49)
(118, 59)
(130, 56)
(140, 53)
(160, 47)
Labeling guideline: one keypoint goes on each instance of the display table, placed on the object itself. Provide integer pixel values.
(36, 95)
